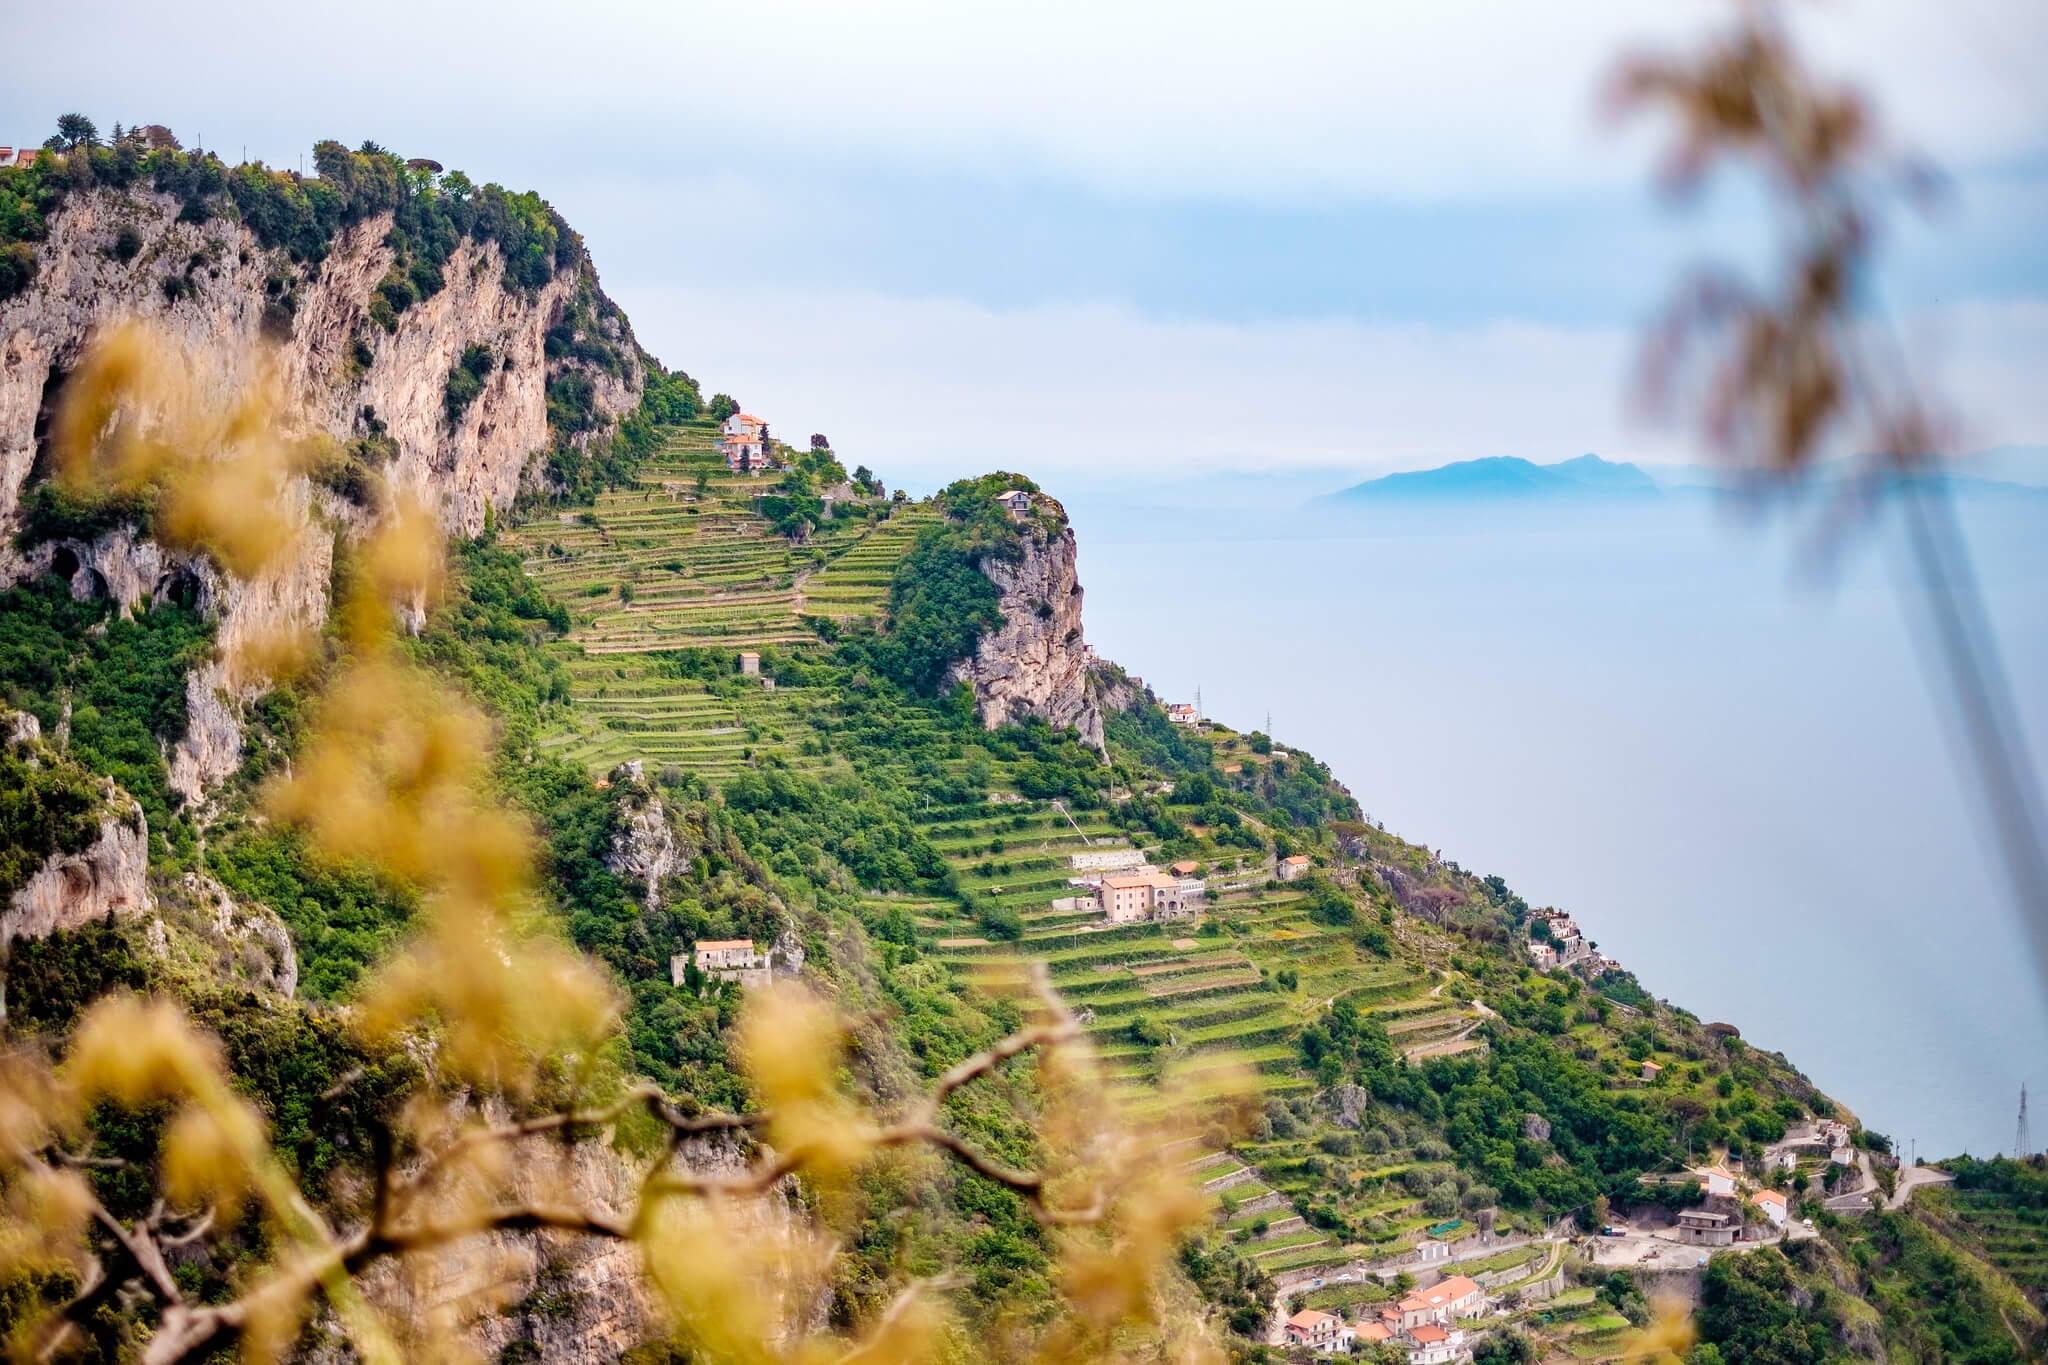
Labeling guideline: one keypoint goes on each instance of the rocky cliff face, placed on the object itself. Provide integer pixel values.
(107, 877)
(336, 362)
(1037, 664)
(213, 288)
(645, 849)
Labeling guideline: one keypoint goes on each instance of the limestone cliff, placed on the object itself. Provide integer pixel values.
(645, 849)
(213, 287)
(107, 875)
(1037, 663)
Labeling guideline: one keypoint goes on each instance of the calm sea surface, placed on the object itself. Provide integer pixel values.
(1738, 776)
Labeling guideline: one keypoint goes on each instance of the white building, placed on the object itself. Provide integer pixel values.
(1428, 1250)
(744, 441)
(1717, 1180)
(1433, 1345)
(1321, 1332)
(1181, 713)
(727, 959)
(1774, 1206)
(1541, 955)
(1441, 1304)
(1016, 501)
(1288, 868)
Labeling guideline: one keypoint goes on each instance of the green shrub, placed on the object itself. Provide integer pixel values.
(466, 380)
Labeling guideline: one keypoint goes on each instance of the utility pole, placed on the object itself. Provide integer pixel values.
(2022, 1140)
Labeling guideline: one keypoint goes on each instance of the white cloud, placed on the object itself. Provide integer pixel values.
(1422, 98)
(928, 390)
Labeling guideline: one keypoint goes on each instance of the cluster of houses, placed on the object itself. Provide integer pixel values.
(1566, 946)
(1425, 1324)
(743, 440)
(1126, 889)
(1720, 1220)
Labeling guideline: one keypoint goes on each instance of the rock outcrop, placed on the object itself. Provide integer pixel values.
(214, 289)
(107, 877)
(645, 849)
(338, 366)
(1037, 663)
(251, 938)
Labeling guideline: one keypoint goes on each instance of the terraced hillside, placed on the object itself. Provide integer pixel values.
(680, 558)
(668, 579)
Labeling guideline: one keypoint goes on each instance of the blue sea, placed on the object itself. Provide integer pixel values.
(1715, 739)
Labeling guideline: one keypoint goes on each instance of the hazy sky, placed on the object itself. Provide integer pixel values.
(1075, 235)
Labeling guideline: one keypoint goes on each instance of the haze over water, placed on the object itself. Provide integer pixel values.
(1736, 776)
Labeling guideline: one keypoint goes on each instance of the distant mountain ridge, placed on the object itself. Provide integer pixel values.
(1503, 477)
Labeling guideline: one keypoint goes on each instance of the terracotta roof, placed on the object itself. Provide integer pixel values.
(1185, 867)
(1296, 859)
(1125, 883)
(711, 945)
(1721, 1171)
(1429, 1334)
(1769, 1197)
(1376, 1331)
(1457, 1287)
(1307, 1318)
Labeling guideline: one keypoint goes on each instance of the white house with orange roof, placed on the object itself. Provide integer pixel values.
(1441, 1304)
(1430, 1344)
(1774, 1206)
(1717, 1180)
(1319, 1331)
(1292, 866)
(743, 439)
(1181, 712)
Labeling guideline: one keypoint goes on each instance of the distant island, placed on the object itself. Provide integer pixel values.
(1502, 477)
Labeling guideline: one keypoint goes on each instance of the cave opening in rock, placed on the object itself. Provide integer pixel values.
(179, 586)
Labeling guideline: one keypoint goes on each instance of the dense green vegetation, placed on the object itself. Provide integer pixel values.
(116, 685)
(48, 805)
(940, 602)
